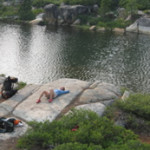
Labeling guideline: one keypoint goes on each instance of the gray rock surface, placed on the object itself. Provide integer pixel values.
(100, 92)
(29, 110)
(99, 108)
(142, 25)
(9, 105)
(66, 14)
(93, 96)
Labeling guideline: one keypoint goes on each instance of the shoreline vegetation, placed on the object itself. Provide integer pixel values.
(112, 15)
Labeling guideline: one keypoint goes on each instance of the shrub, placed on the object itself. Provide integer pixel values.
(25, 10)
(78, 146)
(92, 129)
(138, 104)
(89, 19)
(21, 85)
(8, 11)
(37, 11)
(131, 145)
(81, 2)
(42, 3)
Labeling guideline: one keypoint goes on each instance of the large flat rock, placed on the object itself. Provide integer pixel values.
(29, 110)
(96, 107)
(99, 92)
(9, 105)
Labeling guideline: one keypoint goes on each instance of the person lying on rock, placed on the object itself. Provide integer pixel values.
(52, 94)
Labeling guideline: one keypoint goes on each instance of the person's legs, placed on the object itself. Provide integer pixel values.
(43, 93)
(52, 95)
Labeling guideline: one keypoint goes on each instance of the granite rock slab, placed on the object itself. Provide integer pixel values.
(29, 110)
(10, 104)
(96, 107)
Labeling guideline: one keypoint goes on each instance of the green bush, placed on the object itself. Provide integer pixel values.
(78, 146)
(21, 85)
(89, 19)
(81, 2)
(138, 104)
(37, 11)
(131, 145)
(8, 11)
(92, 129)
(42, 3)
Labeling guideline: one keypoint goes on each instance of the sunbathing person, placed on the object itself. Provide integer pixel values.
(52, 94)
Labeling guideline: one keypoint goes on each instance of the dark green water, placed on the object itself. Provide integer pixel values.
(38, 54)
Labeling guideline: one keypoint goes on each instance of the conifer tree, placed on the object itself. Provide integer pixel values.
(25, 10)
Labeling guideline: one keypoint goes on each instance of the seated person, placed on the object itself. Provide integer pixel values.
(52, 94)
(8, 87)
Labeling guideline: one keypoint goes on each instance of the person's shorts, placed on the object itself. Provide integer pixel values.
(55, 95)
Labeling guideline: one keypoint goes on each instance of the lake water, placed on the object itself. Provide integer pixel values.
(40, 54)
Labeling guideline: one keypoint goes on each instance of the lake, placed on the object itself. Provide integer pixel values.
(40, 54)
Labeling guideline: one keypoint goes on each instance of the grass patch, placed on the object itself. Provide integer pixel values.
(21, 85)
(2, 75)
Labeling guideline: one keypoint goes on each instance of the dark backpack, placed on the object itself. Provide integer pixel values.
(6, 125)
(7, 85)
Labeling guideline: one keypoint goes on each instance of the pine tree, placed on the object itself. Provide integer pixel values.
(25, 10)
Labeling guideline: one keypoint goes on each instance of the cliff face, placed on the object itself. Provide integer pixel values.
(66, 14)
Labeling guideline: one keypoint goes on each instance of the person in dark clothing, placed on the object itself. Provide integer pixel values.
(8, 87)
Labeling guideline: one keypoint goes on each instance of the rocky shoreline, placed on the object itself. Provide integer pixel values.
(93, 96)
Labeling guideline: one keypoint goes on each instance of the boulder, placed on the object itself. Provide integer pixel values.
(122, 13)
(65, 14)
(93, 28)
(36, 21)
(51, 14)
(142, 25)
(96, 107)
(76, 22)
(119, 30)
(100, 92)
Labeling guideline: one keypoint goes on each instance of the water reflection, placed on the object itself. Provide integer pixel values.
(38, 54)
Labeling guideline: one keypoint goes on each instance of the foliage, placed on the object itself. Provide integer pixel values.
(21, 85)
(42, 3)
(105, 6)
(37, 11)
(131, 145)
(78, 146)
(92, 129)
(131, 120)
(83, 27)
(130, 5)
(25, 10)
(81, 2)
(144, 4)
(138, 125)
(123, 89)
(89, 19)
(8, 11)
(2, 75)
(138, 104)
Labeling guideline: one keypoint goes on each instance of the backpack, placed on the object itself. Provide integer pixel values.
(7, 85)
(6, 125)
